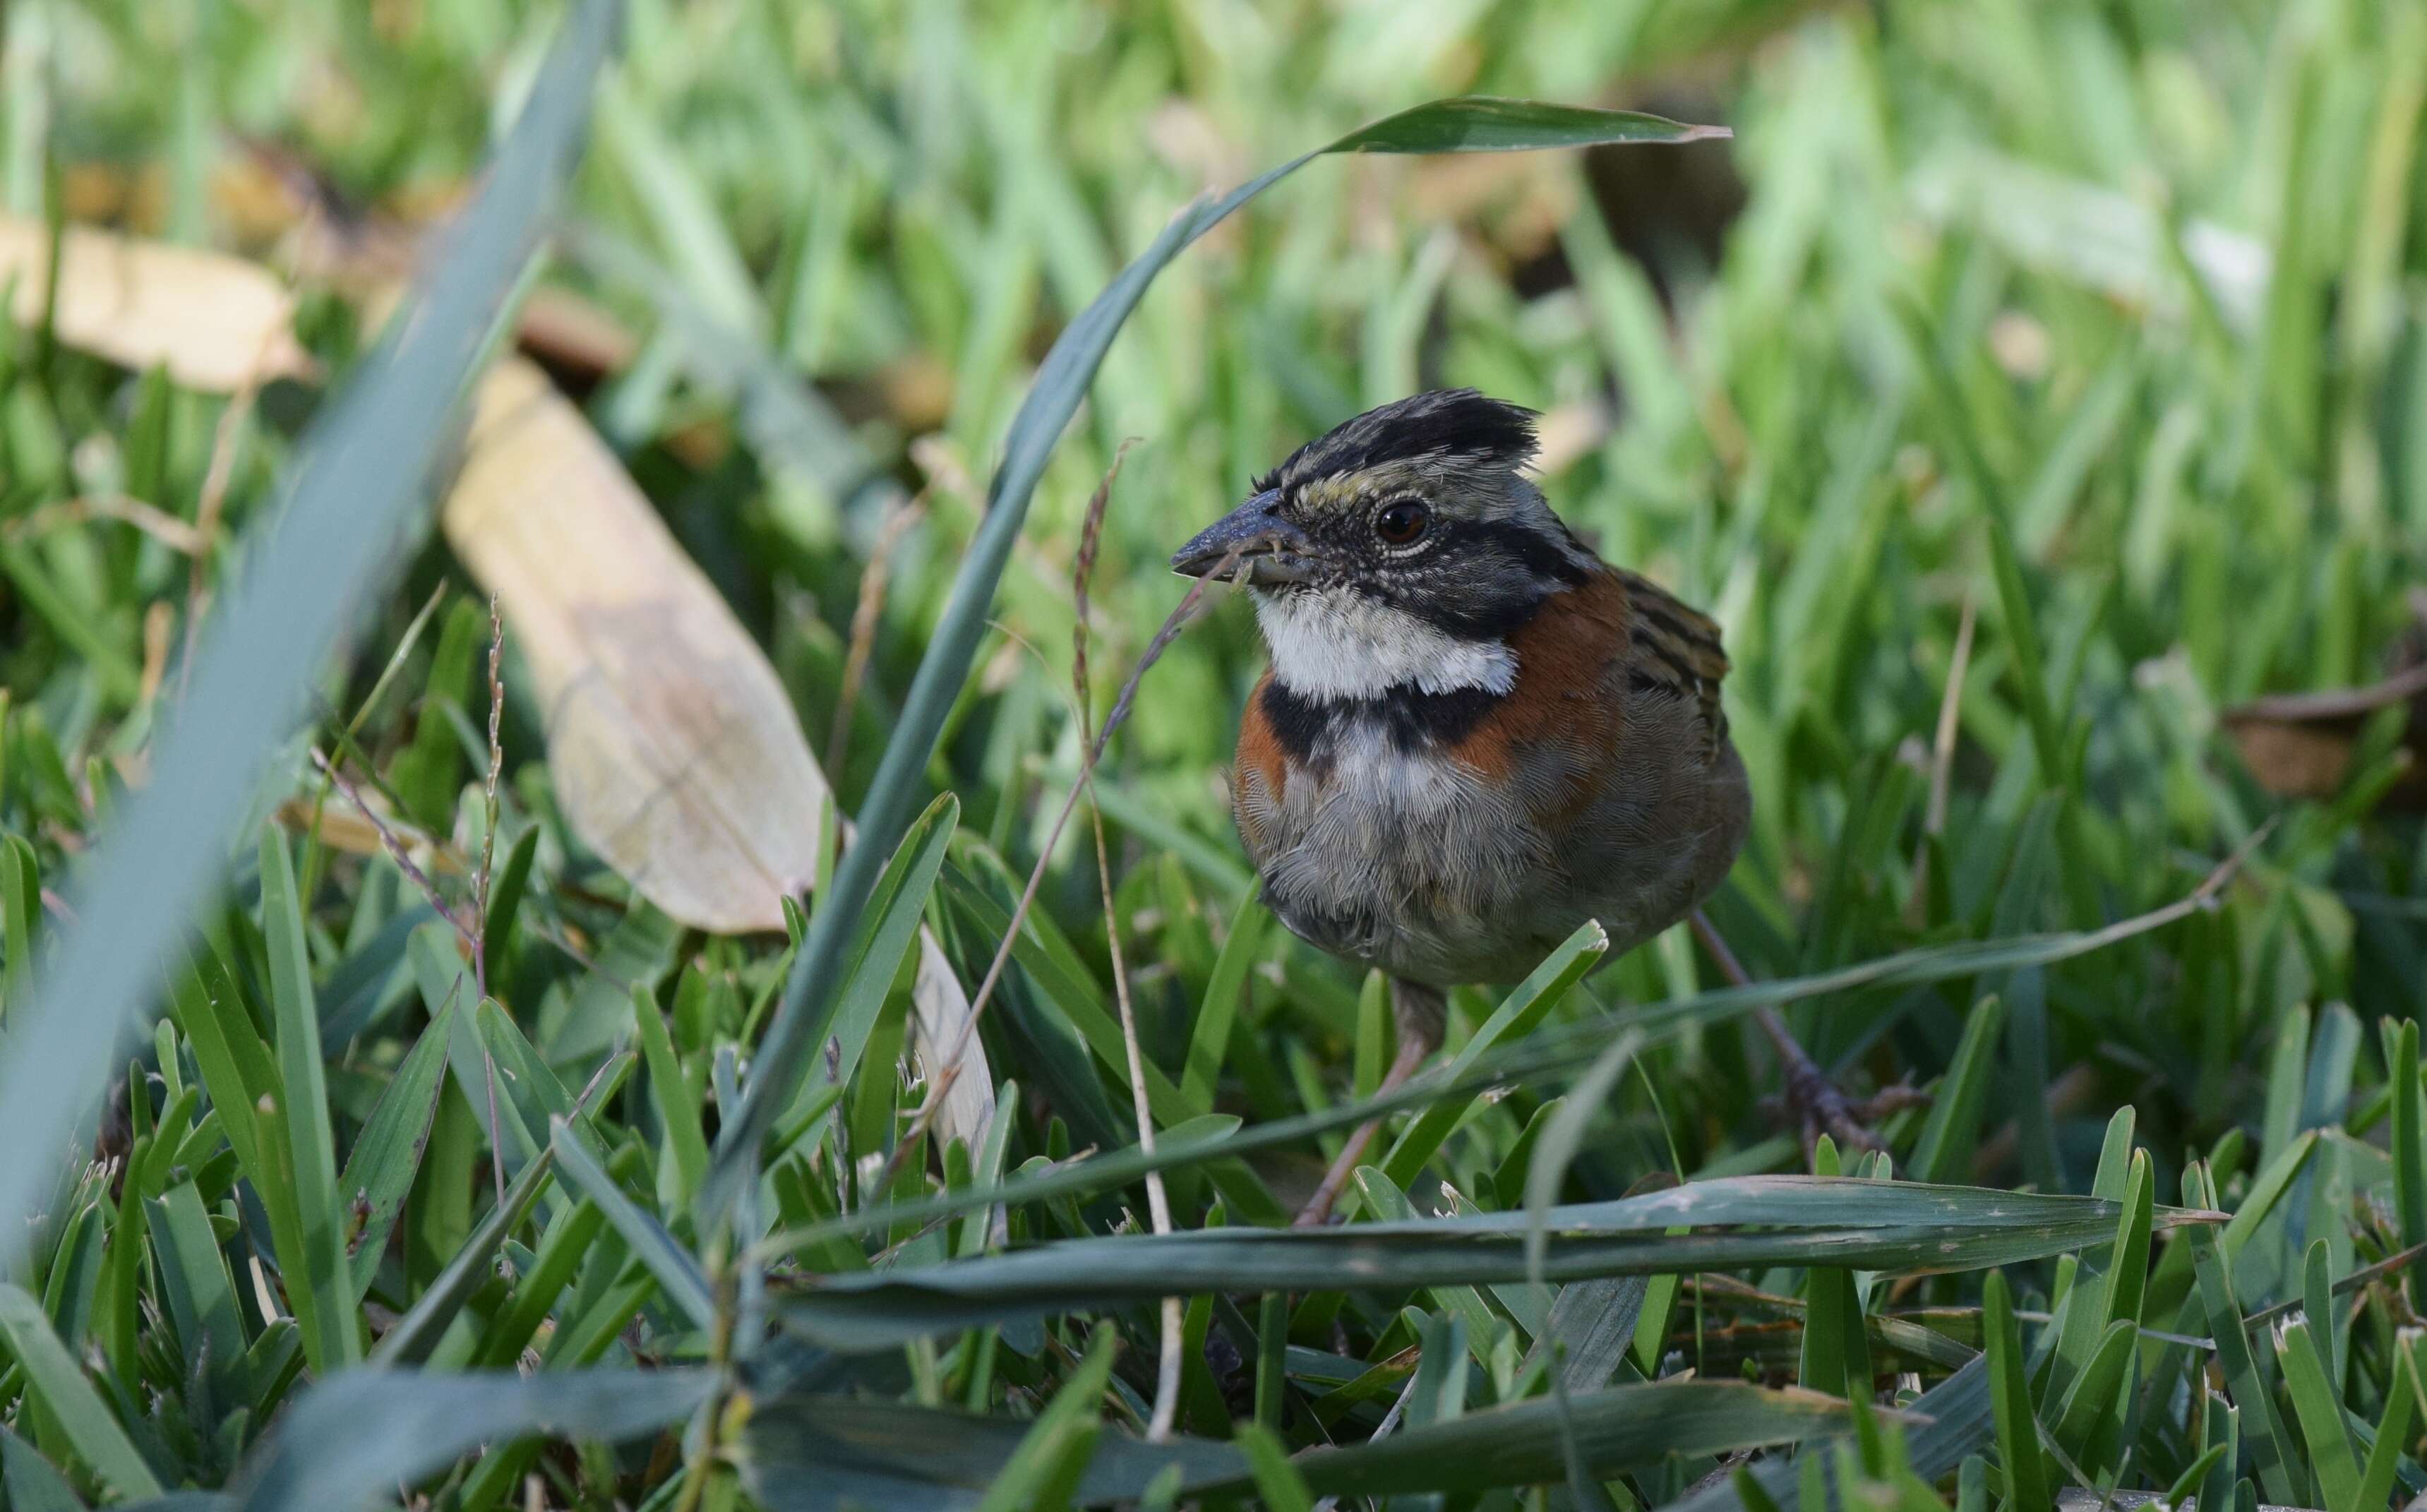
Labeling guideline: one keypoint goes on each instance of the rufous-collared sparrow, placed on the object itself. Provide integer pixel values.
(1475, 734)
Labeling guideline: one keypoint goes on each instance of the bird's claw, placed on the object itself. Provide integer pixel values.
(1815, 1106)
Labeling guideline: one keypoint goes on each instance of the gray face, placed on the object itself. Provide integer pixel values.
(1471, 552)
(1418, 506)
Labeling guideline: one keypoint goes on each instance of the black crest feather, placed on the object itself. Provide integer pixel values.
(1451, 422)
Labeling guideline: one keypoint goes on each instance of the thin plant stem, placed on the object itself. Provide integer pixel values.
(1088, 756)
(1166, 1384)
(864, 616)
(480, 877)
(1942, 760)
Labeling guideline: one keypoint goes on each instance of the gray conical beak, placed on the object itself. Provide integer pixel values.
(1270, 548)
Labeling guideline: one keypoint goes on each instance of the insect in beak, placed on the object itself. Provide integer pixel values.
(1270, 548)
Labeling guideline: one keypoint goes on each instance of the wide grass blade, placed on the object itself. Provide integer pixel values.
(387, 1153)
(320, 1279)
(52, 1379)
(1772, 1221)
(2010, 1394)
(1469, 124)
(355, 1438)
(824, 1451)
(329, 540)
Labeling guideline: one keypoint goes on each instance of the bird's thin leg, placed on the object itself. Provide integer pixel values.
(1812, 1099)
(1418, 1013)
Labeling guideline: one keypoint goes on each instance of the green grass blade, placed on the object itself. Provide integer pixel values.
(20, 918)
(1786, 1221)
(328, 541)
(326, 1314)
(898, 900)
(1276, 1476)
(2409, 1150)
(364, 1434)
(807, 1450)
(672, 1093)
(685, 1284)
(387, 1153)
(52, 1379)
(1962, 1422)
(2094, 1398)
(1065, 1429)
(419, 1331)
(2385, 1458)
(1209, 1042)
(2333, 1459)
(2261, 1427)
(2018, 1437)
(202, 1296)
(30, 1481)
(2127, 1276)
(1952, 1130)
(1509, 1023)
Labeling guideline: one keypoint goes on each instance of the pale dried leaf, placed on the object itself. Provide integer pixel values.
(941, 1006)
(676, 756)
(216, 322)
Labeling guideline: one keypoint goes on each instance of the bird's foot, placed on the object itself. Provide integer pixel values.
(1814, 1105)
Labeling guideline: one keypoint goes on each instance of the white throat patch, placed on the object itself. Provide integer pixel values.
(1335, 643)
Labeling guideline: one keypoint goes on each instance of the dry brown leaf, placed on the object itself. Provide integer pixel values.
(2301, 745)
(676, 755)
(216, 322)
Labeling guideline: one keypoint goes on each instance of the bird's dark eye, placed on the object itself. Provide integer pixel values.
(1403, 522)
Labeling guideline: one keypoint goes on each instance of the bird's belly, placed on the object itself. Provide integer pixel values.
(1407, 861)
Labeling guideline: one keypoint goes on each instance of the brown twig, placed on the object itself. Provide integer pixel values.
(2335, 703)
(480, 878)
(1166, 1387)
(1089, 753)
(873, 580)
(395, 849)
(470, 935)
(212, 504)
(481, 874)
(159, 628)
(150, 519)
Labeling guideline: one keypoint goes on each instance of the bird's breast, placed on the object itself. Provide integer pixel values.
(1385, 848)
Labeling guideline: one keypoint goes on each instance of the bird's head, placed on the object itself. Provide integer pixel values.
(1401, 548)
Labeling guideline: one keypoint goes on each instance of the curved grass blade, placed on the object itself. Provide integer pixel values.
(1554, 1051)
(31, 1482)
(1515, 1018)
(353, 1439)
(1469, 124)
(320, 1283)
(1957, 1421)
(1771, 1221)
(825, 1452)
(327, 542)
(419, 1331)
(52, 1377)
(386, 1157)
(685, 1284)
(2010, 1394)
